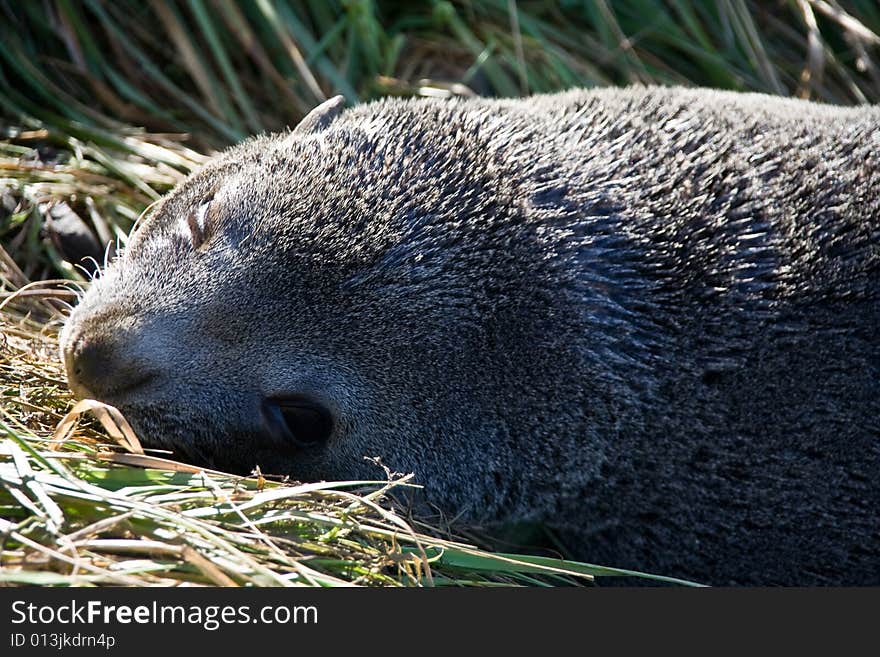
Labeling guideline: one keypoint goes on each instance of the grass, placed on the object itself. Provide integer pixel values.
(108, 105)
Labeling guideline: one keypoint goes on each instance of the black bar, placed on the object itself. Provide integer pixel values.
(411, 620)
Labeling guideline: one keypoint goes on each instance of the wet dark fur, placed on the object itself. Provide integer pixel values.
(648, 317)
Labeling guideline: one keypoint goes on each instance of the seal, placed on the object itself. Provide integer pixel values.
(647, 317)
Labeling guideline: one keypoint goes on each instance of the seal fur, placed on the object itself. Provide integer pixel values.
(648, 317)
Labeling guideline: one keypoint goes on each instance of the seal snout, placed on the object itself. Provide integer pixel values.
(98, 366)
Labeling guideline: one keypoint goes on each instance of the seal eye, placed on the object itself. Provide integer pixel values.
(198, 221)
(297, 421)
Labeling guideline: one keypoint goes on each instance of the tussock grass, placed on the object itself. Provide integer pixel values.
(221, 70)
(107, 104)
(105, 180)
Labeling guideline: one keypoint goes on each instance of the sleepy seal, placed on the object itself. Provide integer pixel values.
(647, 317)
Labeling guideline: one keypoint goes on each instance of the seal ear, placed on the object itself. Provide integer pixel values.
(320, 117)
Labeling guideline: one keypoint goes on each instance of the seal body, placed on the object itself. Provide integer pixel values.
(647, 317)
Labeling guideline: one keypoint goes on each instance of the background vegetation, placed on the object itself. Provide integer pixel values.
(107, 104)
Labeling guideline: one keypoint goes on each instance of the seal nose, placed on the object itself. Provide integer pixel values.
(98, 368)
